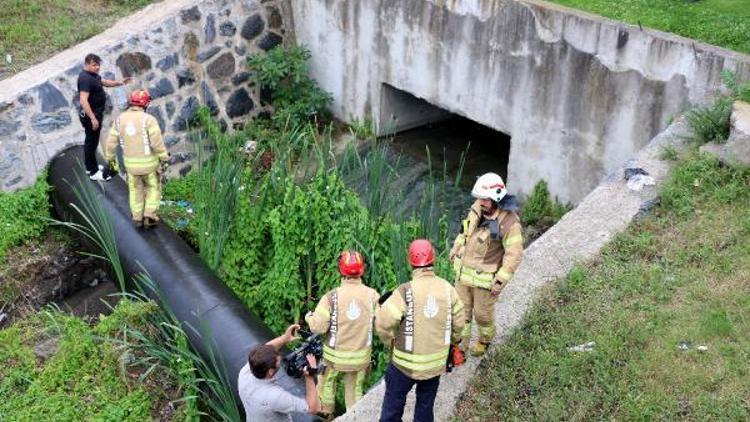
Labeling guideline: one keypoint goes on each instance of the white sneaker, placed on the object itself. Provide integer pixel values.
(100, 176)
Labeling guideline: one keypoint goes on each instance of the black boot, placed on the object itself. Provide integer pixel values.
(138, 223)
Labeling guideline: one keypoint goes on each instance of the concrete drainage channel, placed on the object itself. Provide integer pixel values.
(578, 237)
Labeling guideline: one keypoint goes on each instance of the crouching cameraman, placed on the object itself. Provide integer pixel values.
(262, 398)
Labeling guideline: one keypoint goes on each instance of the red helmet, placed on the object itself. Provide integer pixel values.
(421, 253)
(140, 98)
(351, 264)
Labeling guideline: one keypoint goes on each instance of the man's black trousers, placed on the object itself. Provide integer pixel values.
(397, 385)
(91, 142)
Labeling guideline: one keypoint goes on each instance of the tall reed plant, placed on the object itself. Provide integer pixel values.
(96, 225)
(219, 180)
(204, 378)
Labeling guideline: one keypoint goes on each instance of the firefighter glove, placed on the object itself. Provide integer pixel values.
(163, 166)
(114, 166)
(497, 287)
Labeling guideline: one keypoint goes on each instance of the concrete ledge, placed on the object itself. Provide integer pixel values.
(578, 237)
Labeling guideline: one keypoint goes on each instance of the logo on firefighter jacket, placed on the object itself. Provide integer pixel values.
(431, 308)
(354, 311)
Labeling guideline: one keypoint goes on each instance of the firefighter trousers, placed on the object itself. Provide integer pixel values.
(353, 384)
(479, 304)
(397, 386)
(145, 194)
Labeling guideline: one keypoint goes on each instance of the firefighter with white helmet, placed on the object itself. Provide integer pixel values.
(422, 319)
(144, 156)
(485, 254)
(345, 314)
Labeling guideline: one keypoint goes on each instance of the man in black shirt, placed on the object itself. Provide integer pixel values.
(92, 98)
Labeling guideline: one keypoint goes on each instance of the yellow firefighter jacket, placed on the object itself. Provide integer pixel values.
(422, 318)
(138, 133)
(488, 250)
(346, 314)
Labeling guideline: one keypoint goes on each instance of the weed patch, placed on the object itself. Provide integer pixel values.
(23, 214)
(540, 212)
(83, 377)
(712, 123)
(540, 205)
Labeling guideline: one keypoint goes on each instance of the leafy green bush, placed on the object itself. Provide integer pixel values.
(712, 123)
(182, 188)
(83, 379)
(540, 205)
(296, 97)
(24, 214)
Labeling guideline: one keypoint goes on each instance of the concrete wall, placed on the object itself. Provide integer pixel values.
(577, 93)
(191, 53)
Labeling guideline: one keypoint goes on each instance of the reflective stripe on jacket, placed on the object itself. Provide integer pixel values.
(422, 319)
(483, 257)
(346, 316)
(139, 135)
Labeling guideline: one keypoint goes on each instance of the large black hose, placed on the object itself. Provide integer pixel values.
(190, 289)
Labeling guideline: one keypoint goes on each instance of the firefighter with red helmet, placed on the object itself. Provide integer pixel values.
(485, 255)
(421, 319)
(345, 315)
(144, 154)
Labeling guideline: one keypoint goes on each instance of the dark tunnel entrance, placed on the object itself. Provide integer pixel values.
(416, 125)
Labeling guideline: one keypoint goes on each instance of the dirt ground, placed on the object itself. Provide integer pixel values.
(51, 270)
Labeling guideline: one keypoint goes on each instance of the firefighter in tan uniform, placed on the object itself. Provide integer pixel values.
(421, 319)
(144, 155)
(346, 315)
(485, 255)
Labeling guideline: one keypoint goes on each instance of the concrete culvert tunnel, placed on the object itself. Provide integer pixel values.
(455, 143)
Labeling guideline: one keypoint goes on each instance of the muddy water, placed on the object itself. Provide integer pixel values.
(486, 150)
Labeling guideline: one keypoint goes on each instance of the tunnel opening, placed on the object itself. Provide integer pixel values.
(457, 145)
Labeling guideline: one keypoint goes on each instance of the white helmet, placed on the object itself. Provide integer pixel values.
(489, 186)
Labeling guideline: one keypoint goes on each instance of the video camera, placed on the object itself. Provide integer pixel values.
(296, 361)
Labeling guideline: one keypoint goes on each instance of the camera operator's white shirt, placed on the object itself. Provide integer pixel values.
(265, 401)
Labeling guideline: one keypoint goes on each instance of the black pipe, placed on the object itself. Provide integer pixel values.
(195, 295)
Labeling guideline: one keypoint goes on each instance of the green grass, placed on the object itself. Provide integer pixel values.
(24, 214)
(724, 23)
(677, 276)
(34, 30)
(85, 379)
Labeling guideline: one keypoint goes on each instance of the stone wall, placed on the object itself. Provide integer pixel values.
(191, 53)
(578, 94)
